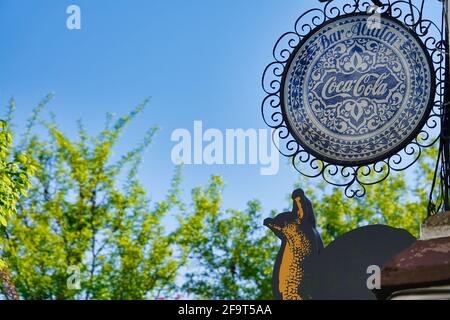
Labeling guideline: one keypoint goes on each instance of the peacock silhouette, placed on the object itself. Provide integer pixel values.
(305, 270)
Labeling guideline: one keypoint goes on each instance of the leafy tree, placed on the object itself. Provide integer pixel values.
(231, 256)
(15, 172)
(86, 211)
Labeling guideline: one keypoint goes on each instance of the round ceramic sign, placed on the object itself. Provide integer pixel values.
(358, 89)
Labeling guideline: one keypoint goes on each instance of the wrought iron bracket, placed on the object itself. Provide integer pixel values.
(354, 179)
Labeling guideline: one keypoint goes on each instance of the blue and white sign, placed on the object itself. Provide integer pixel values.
(355, 91)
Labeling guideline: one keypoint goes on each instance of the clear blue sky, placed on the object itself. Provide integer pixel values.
(196, 59)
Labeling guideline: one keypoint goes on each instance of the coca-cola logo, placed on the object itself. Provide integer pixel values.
(378, 84)
(371, 85)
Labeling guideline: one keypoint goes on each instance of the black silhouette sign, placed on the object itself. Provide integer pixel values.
(305, 270)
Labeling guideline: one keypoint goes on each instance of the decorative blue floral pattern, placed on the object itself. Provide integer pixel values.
(354, 92)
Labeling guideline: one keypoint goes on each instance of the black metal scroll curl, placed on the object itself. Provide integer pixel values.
(354, 179)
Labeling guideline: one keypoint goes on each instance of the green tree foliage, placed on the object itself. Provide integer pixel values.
(231, 255)
(15, 172)
(88, 210)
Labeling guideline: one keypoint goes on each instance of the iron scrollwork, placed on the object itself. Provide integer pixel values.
(354, 178)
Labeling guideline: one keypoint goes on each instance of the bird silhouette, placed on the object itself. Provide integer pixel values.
(304, 269)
